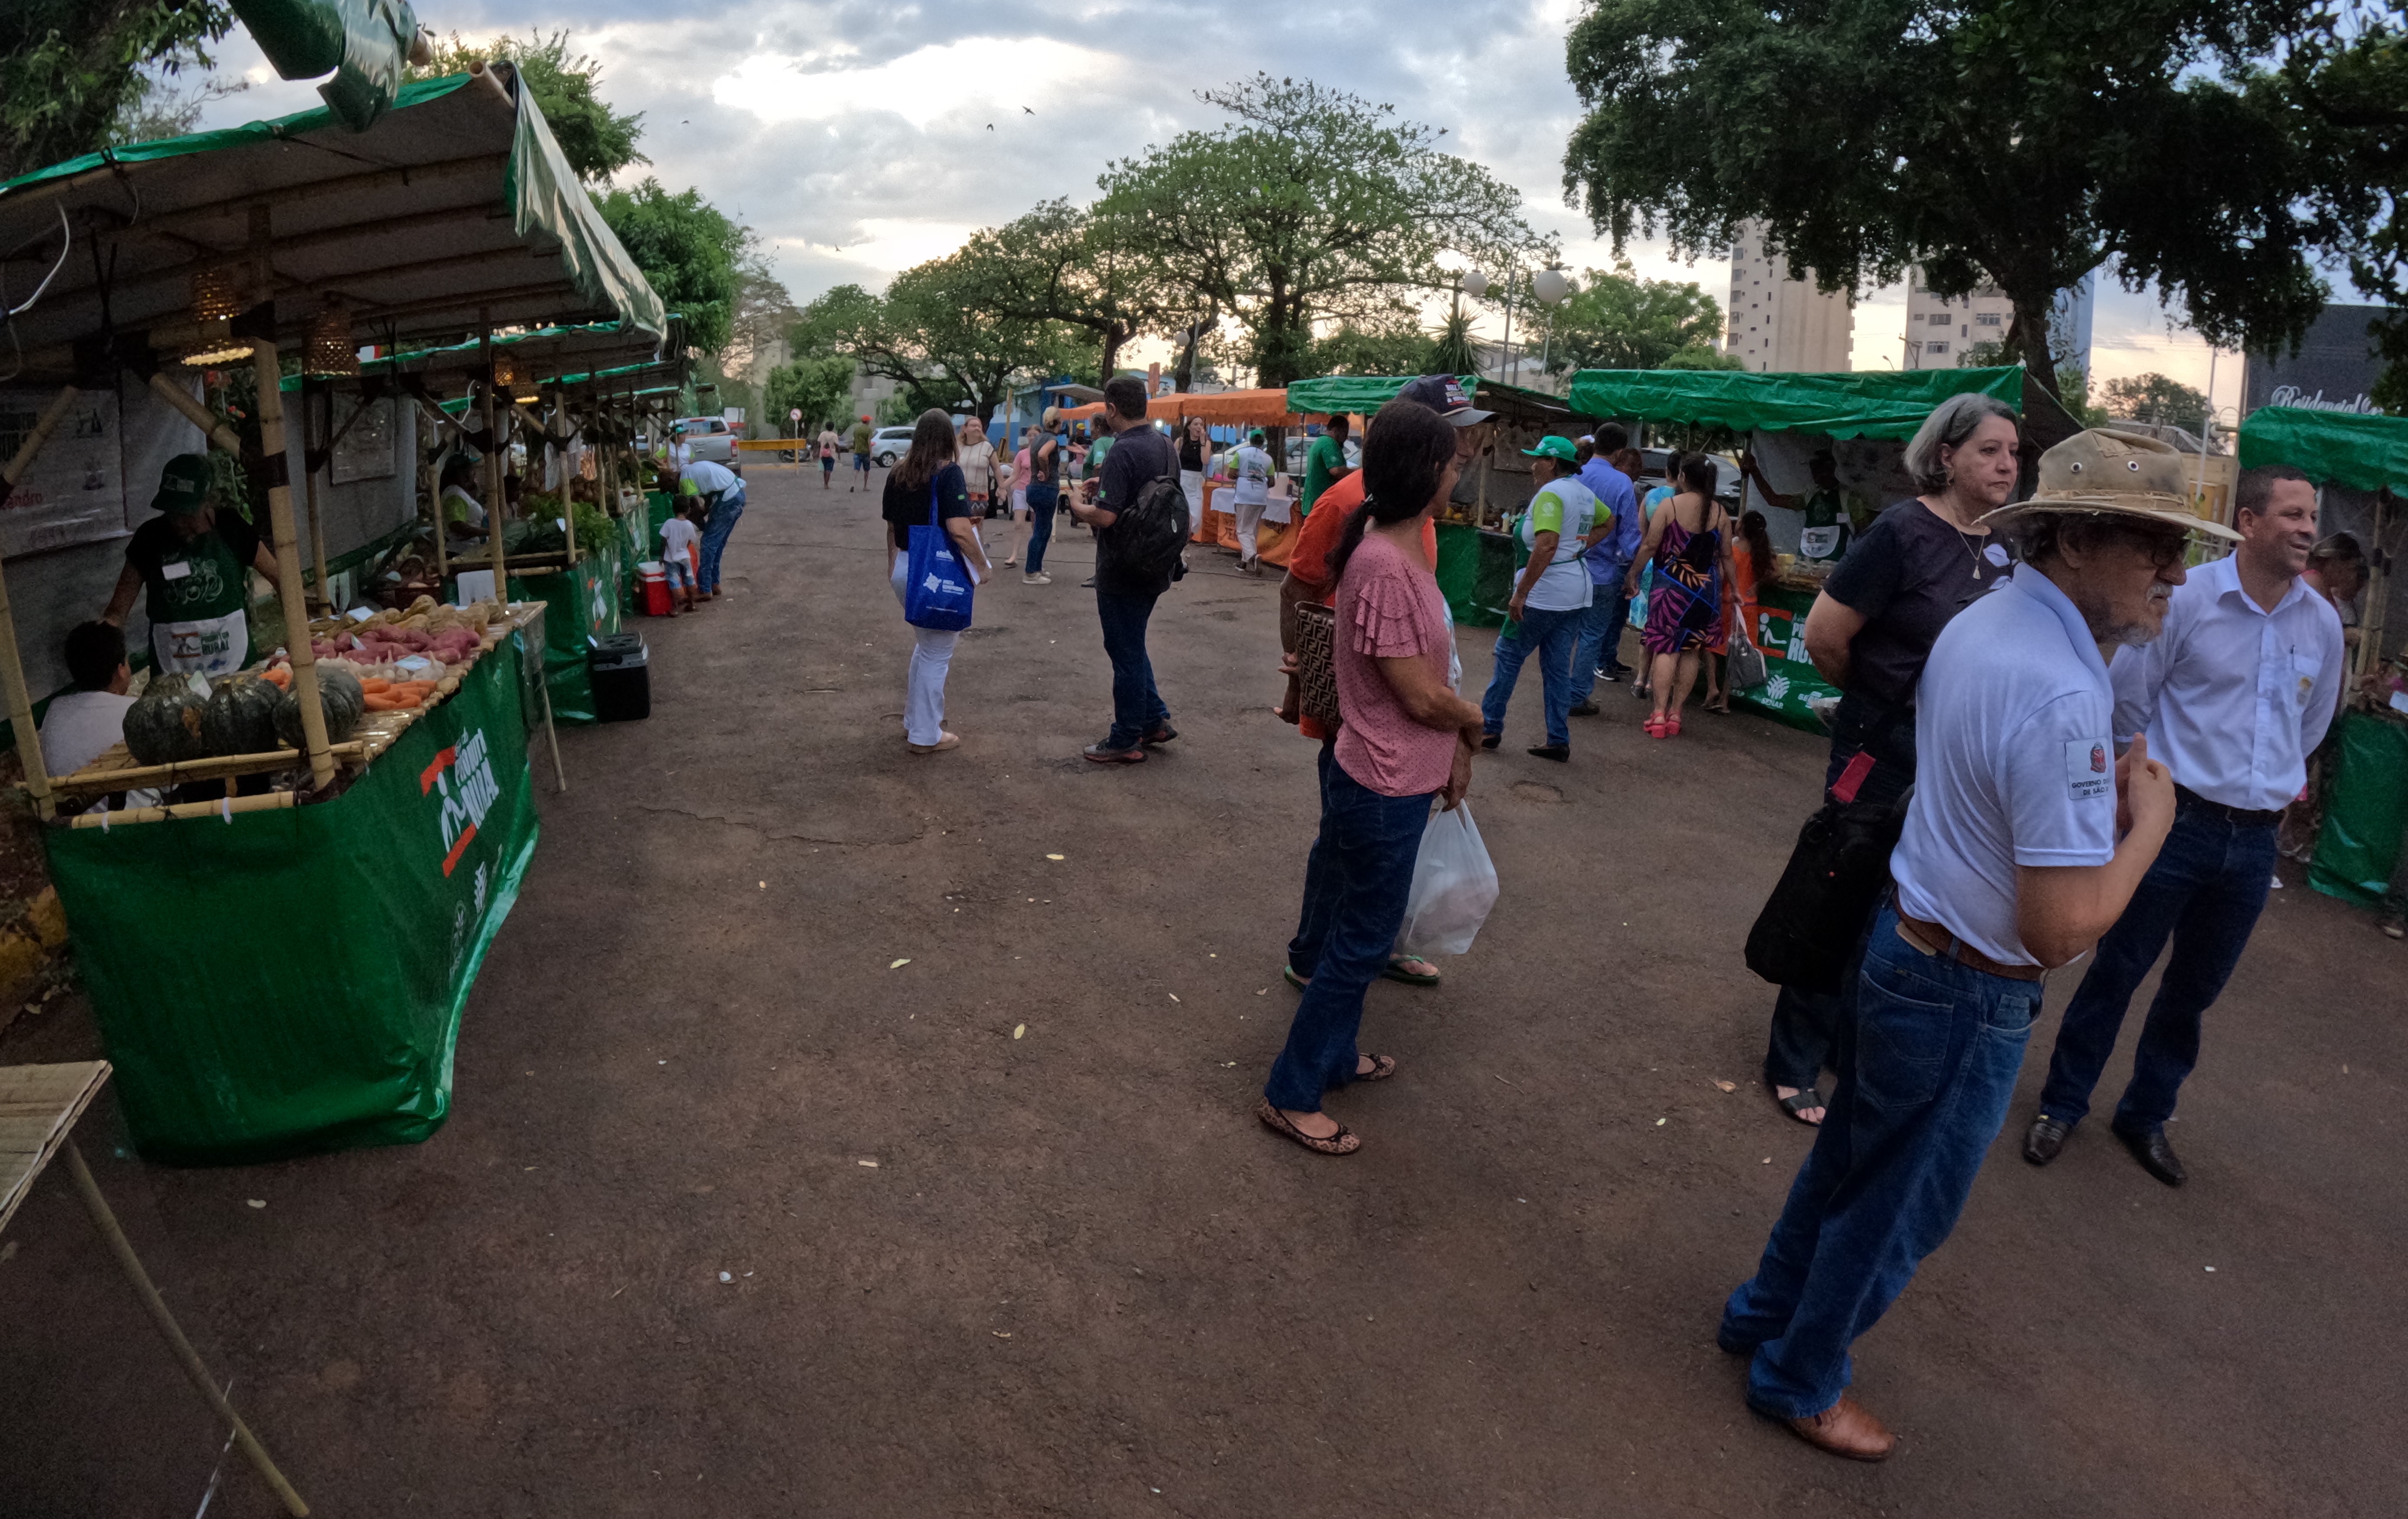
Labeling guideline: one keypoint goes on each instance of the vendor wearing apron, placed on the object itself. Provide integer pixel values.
(195, 566)
(1824, 537)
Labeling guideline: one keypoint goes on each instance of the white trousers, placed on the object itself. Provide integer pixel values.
(1250, 518)
(932, 657)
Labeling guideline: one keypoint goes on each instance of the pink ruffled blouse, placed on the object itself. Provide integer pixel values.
(1389, 608)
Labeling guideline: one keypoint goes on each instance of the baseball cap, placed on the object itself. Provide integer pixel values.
(184, 485)
(1553, 447)
(1443, 395)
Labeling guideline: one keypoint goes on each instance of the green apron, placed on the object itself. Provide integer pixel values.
(196, 605)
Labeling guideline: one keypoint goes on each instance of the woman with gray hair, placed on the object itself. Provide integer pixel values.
(1922, 562)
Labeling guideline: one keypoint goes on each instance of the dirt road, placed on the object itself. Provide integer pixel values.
(978, 1271)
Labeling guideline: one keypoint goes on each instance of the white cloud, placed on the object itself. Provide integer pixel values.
(967, 77)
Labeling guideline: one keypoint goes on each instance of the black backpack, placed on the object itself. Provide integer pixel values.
(1147, 538)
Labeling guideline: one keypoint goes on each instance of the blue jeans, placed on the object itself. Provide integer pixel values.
(1356, 883)
(1601, 639)
(1137, 706)
(2204, 892)
(723, 513)
(1804, 1022)
(1555, 635)
(1928, 1054)
(1043, 499)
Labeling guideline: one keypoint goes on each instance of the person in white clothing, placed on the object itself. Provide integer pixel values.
(680, 543)
(2233, 698)
(88, 720)
(2025, 838)
(1251, 468)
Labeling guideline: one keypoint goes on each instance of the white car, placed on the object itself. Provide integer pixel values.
(709, 438)
(888, 444)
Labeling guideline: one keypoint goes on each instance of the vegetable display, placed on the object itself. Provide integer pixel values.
(164, 724)
(239, 717)
(341, 697)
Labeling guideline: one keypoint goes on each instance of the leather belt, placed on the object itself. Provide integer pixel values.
(2239, 816)
(1930, 938)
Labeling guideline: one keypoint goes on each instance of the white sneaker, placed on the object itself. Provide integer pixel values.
(1037, 580)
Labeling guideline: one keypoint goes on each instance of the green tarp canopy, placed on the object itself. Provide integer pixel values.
(593, 349)
(1351, 393)
(2335, 448)
(1880, 403)
(363, 43)
(455, 209)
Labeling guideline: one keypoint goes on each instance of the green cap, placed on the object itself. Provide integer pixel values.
(184, 485)
(1552, 447)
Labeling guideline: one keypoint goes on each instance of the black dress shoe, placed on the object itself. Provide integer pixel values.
(2044, 1138)
(1490, 740)
(2156, 1156)
(1558, 753)
(1586, 709)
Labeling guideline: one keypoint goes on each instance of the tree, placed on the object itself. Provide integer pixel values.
(74, 72)
(1698, 356)
(1994, 142)
(818, 386)
(926, 335)
(2155, 398)
(1063, 263)
(1455, 352)
(763, 311)
(1313, 205)
(1617, 321)
(687, 250)
(597, 141)
(1393, 344)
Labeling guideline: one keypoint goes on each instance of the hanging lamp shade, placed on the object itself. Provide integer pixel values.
(1551, 285)
(331, 349)
(217, 300)
(1475, 284)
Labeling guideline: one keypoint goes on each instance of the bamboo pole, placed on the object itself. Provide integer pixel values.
(274, 801)
(267, 368)
(12, 669)
(309, 483)
(216, 767)
(497, 466)
(567, 482)
(216, 428)
(435, 505)
(188, 1358)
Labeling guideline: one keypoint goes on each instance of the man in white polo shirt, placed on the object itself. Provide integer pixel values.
(2017, 855)
(2233, 698)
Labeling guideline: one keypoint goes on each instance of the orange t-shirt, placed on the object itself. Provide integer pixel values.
(1309, 564)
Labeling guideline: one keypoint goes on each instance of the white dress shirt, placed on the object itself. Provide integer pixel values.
(2233, 698)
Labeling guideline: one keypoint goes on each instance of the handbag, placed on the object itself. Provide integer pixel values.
(1747, 669)
(936, 585)
(1809, 929)
(1316, 664)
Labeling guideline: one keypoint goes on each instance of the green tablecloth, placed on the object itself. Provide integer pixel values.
(280, 982)
(1475, 571)
(584, 601)
(2366, 805)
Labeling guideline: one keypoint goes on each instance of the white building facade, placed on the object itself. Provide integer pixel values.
(1939, 329)
(1777, 324)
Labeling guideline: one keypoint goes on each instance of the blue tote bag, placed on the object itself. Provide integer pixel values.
(937, 591)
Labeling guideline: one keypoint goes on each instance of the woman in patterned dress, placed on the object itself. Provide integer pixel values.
(1688, 543)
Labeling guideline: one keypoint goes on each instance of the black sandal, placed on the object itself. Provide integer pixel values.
(1343, 1142)
(1796, 1104)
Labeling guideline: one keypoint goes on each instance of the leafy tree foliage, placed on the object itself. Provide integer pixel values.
(818, 385)
(1455, 351)
(1698, 356)
(1617, 321)
(1069, 264)
(1314, 204)
(924, 334)
(2156, 399)
(1991, 141)
(597, 141)
(689, 253)
(72, 72)
(1392, 344)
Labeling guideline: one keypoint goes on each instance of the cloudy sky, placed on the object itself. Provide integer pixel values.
(861, 138)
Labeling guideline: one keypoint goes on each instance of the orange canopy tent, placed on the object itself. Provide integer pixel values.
(1225, 408)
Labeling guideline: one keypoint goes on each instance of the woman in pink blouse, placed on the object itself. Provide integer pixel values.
(1405, 740)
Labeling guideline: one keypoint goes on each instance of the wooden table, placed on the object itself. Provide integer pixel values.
(38, 1106)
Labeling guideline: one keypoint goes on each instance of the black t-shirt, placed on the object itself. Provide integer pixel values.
(154, 543)
(906, 506)
(1044, 459)
(1137, 458)
(1908, 574)
(1191, 454)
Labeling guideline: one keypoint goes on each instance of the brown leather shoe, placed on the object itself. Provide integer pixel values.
(1846, 1429)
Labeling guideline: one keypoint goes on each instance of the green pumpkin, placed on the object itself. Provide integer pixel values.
(240, 717)
(339, 697)
(164, 724)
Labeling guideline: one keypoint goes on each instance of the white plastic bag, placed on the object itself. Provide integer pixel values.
(1454, 886)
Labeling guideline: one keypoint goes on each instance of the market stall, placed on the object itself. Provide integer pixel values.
(2360, 467)
(279, 947)
(1862, 419)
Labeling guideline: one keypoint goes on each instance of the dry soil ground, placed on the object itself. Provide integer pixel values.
(975, 1273)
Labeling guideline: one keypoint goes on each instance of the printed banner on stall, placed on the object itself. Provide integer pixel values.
(1778, 625)
(280, 982)
(580, 604)
(74, 492)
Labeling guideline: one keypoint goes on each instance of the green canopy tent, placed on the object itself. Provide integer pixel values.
(2365, 789)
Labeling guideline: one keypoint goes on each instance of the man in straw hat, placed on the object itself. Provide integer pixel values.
(2232, 698)
(2024, 841)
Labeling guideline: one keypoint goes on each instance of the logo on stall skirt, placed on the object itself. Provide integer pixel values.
(464, 774)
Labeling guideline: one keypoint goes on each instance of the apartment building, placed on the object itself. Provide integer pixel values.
(1939, 329)
(1774, 324)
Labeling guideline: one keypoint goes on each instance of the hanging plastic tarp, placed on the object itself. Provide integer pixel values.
(1870, 404)
(363, 43)
(287, 982)
(1360, 393)
(2365, 810)
(2331, 447)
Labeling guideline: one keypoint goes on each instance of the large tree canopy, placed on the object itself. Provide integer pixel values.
(597, 141)
(926, 335)
(1991, 141)
(72, 71)
(1063, 264)
(688, 251)
(1314, 204)
(1617, 321)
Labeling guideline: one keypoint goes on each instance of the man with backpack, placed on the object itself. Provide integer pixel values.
(1139, 513)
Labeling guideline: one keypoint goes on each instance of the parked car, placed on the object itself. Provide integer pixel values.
(888, 444)
(710, 439)
(1297, 444)
(1726, 474)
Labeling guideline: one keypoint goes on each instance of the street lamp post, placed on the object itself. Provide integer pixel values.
(1551, 285)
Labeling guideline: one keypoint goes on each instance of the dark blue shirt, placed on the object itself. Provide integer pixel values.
(1137, 457)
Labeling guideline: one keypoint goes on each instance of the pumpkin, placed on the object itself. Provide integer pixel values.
(240, 717)
(164, 724)
(339, 697)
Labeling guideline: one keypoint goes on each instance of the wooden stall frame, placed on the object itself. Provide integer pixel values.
(12, 668)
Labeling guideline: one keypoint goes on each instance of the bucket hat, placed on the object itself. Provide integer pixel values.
(2102, 472)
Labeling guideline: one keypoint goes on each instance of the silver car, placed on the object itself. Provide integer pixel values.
(888, 444)
(709, 438)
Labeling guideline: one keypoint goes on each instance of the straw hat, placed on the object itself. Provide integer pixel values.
(2104, 472)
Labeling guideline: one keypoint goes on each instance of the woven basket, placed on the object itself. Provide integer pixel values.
(1316, 671)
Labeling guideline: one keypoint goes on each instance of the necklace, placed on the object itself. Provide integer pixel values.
(1962, 536)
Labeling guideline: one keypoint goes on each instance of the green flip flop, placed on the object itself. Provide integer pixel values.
(1397, 970)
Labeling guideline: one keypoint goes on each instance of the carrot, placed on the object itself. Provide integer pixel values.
(372, 686)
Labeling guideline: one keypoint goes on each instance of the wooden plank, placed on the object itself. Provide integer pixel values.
(46, 1100)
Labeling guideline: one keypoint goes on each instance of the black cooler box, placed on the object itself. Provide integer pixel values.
(623, 684)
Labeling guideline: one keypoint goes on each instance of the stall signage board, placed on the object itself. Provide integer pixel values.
(580, 604)
(75, 490)
(289, 981)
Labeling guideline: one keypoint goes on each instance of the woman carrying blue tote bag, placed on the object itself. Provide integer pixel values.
(934, 561)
